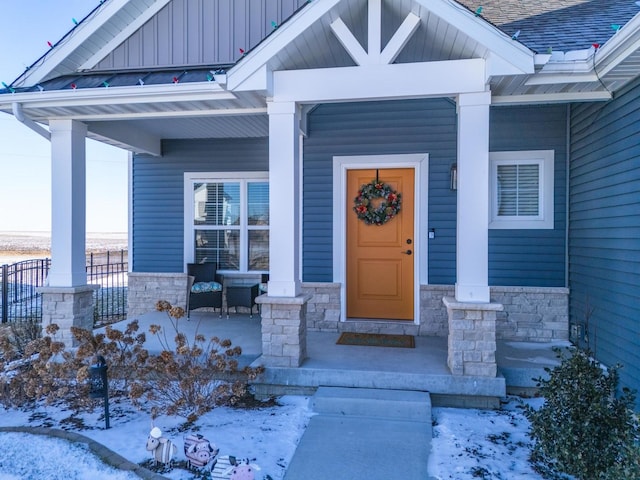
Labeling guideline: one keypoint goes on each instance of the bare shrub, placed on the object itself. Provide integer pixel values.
(123, 351)
(195, 376)
(188, 379)
(15, 336)
(43, 372)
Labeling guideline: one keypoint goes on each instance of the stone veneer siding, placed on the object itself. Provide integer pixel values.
(145, 289)
(531, 314)
(323, 308)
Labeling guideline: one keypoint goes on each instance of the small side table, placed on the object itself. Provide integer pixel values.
(242, 295)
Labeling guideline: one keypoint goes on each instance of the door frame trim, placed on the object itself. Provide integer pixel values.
(420, 163)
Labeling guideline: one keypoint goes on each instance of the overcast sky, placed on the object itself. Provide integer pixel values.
(25, 171)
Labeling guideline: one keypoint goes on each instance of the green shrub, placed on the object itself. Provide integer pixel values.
(583, 429)
(628, 467)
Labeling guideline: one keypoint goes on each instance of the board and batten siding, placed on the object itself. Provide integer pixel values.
(158, 193)
(604, 230)
(529, 257)
(516, 257)
(200, 32)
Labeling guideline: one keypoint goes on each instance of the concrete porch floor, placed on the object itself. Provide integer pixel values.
(422, 368)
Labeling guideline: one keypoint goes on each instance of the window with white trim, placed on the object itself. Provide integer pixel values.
(228, 221)
(521, 189)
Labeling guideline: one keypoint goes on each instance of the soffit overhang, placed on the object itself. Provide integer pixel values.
(233, 104)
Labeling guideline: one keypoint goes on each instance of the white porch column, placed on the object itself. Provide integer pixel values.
(68, 202)
(284, 199)
(472, 283)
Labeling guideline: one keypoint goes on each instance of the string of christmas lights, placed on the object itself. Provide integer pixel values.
(211, 76)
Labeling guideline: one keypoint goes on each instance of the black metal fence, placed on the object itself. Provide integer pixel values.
(19, 282)
(20, 299)
(109, 271)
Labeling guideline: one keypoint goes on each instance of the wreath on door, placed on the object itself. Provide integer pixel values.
(373, 212)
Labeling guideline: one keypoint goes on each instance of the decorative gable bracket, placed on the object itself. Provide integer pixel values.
(375, 54)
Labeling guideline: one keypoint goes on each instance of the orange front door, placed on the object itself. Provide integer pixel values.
(380, 258)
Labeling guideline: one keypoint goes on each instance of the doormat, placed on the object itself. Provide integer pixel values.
(376, 340)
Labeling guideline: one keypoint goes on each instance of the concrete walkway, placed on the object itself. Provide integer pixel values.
(365, 434)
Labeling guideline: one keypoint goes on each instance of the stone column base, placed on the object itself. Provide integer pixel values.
(284, 330)
(472, 337)
(68, 307)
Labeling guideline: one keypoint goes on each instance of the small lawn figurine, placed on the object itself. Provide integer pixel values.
(243, 471)
(199, 451)
(162, 449)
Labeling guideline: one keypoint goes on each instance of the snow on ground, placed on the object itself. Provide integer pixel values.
(471, 444)
(467, 443)
(268, 435)
(61, 460)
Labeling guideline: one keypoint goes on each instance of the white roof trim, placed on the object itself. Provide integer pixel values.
(494, 39)
(186, 92)
(542, 98)
(60, 52)
(403, 80)
(562, 78)
(80, 35)
(577, 66)
(199, 113)
(286, 33)
(137, 23)
(514, 57)
(619, 47)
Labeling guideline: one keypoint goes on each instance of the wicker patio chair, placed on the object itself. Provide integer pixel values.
(205, 286)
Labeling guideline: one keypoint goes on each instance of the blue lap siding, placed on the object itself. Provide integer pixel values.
(604, 230)
(516, 257)
(158, 193)
(531, 258)
(377, 128)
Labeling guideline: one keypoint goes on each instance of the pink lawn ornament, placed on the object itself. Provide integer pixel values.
(199, 451)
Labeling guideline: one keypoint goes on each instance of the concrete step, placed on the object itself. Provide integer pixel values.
(365, 433)
(370, 402)
(353, 448)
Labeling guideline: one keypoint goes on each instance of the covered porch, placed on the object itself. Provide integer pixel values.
(423, 368)
(269, 96)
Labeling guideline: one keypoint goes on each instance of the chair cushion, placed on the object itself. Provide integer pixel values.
(204, 287)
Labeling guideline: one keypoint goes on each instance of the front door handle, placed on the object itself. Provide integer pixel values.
(407, 252)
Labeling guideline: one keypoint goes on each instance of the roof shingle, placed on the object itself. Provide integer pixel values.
(559, 25)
